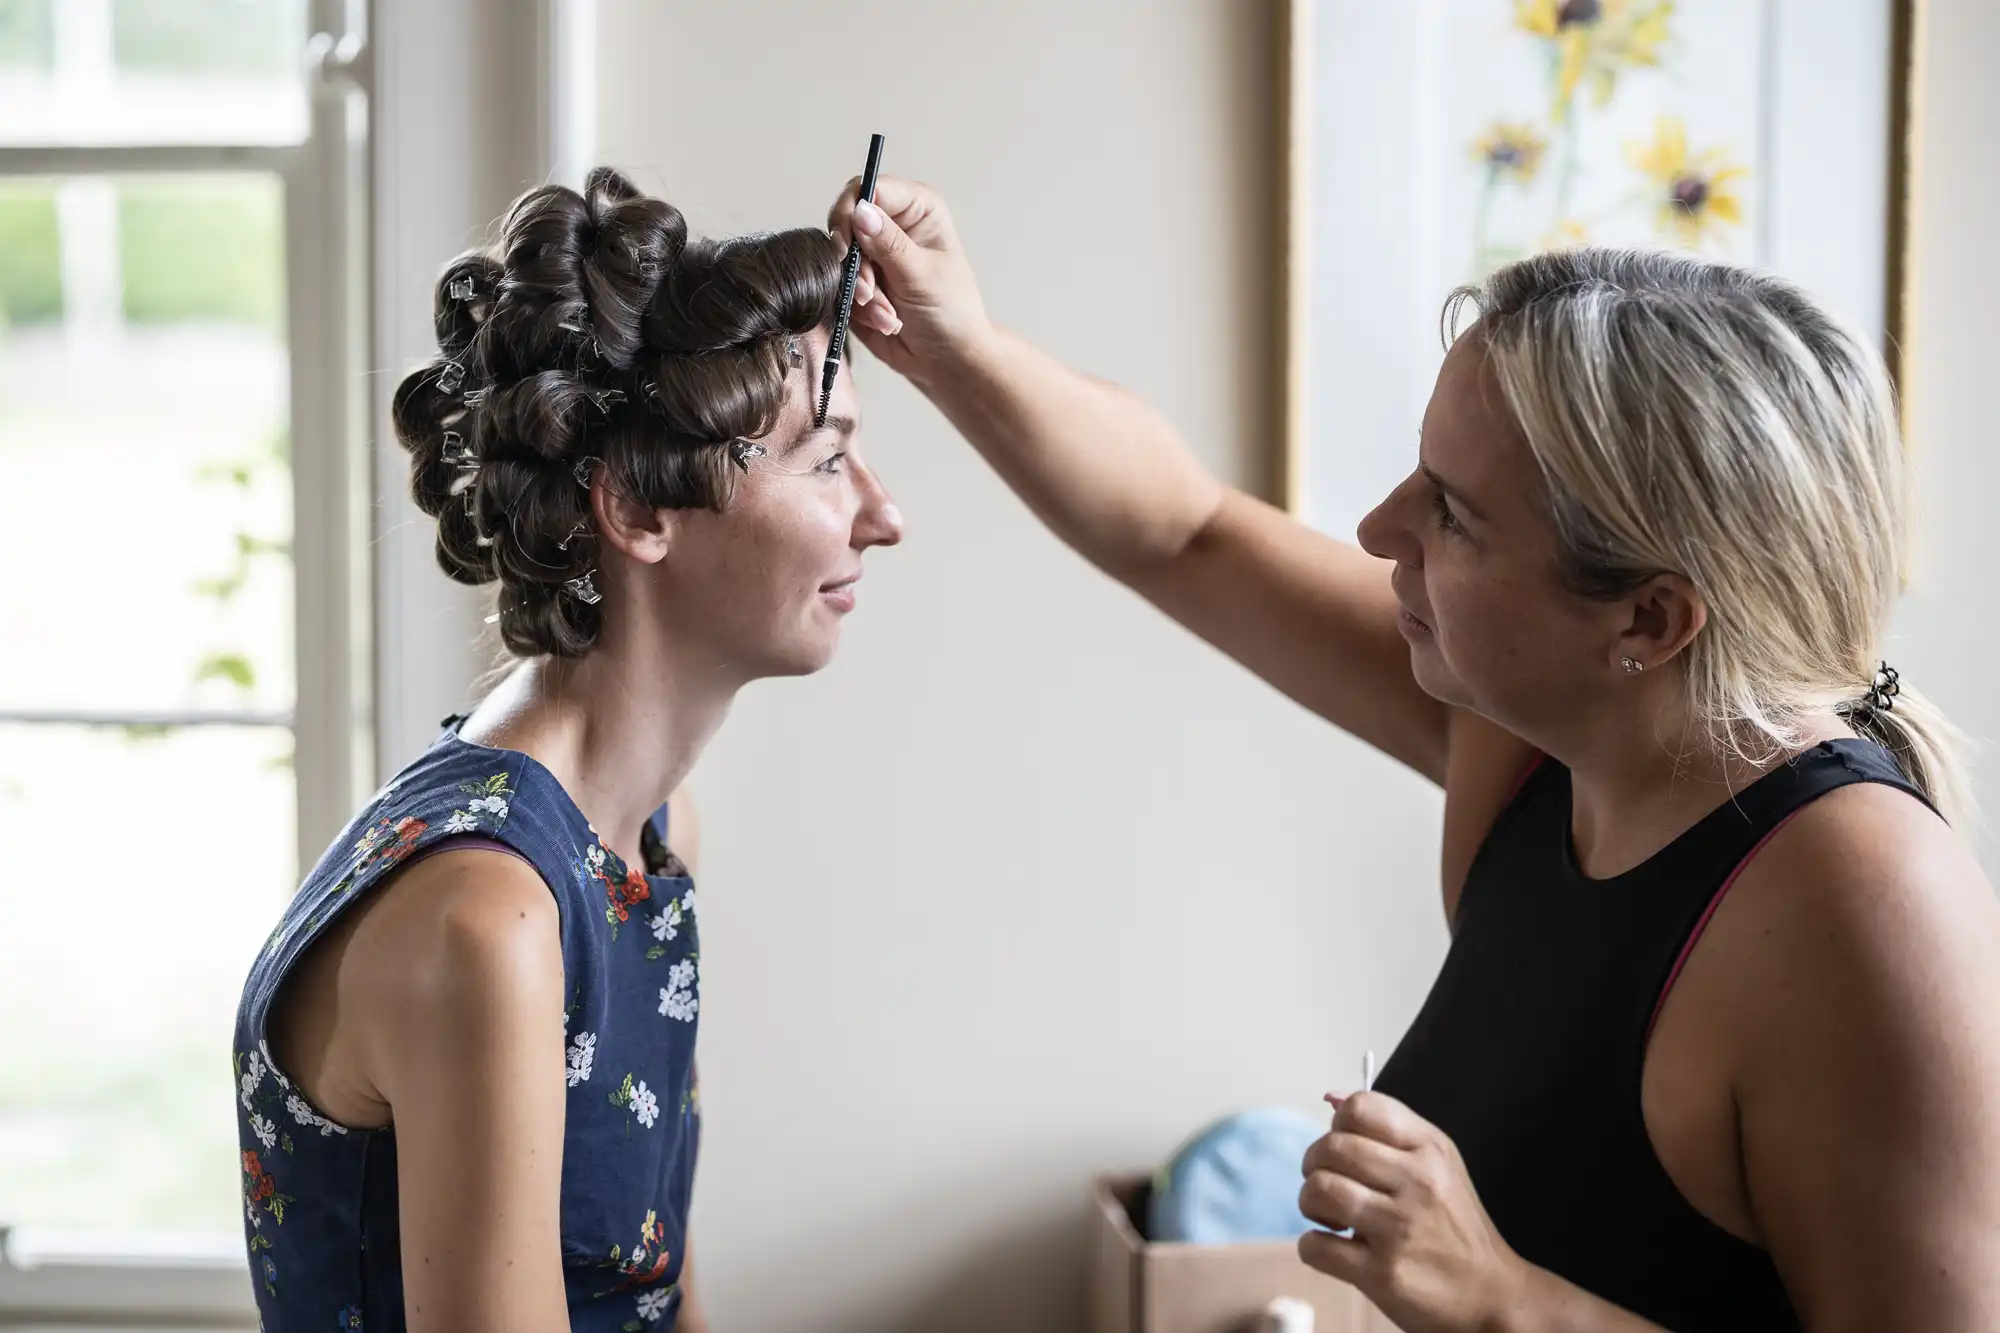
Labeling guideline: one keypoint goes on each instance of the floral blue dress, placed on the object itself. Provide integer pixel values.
(320, 1198)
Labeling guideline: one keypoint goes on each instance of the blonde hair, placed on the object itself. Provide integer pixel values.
(1694, 417)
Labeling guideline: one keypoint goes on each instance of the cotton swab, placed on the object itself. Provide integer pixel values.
(1367, 1085)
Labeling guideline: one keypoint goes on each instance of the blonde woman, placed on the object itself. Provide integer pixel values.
(1717, 1043)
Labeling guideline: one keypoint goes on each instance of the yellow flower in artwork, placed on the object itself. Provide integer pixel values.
(1540, 17)
(1694, 193)
(1595, 40)
(1510, 149)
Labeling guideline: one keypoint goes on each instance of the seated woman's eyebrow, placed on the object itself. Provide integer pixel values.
(840, 426)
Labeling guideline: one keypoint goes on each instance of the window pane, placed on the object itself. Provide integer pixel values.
(250, 39)
(143, 458)
(30, 258)
(152, 71)
(202, 250)
(141, 875)
(27, 39)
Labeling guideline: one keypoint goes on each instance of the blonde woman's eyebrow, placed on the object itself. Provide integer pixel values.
(1456, 495)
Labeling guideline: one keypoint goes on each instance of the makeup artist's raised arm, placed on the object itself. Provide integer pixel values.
(1110, 476)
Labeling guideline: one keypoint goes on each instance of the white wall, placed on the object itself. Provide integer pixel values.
(455, 138)
(1030, 883)
(1949, 643)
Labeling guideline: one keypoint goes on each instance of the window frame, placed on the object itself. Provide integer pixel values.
(94, 1277)
(324, 183)
(416, 142)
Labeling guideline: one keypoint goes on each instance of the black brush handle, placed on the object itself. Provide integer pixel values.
(850, 273)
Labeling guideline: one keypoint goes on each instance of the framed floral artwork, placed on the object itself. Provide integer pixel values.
(1427, 142)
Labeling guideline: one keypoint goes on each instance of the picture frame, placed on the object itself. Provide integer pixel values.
(1796, 116)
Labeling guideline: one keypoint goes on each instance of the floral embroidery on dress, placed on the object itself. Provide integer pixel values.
(258, 1102)
(654, 1303)
(582, 1054)
(488, 795)
(270, 1270)
(388, 841)
(645, 1106)
(348, 1319)
(639, 1102)
(677, 997)
(260, 1188)
(666, 925)
(253, 1068)
(623, 894)
(310, 1118)
(643, 1269)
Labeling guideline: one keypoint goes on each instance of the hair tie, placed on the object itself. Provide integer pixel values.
(1880, 697)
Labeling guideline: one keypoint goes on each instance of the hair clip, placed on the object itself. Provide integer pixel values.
(583, 589)
(474, 397)
(649, 390)
(795, 352)
(450, 376)
(573, 324)
(1883, 688)
(603, 399)
(457, 452)
(742, 451)
(582, 529)
(460, 289)
(649, 269)
(582, 469)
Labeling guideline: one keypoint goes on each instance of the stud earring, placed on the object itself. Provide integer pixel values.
(1633, 666)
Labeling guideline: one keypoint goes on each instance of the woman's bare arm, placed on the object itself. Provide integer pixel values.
(459, 973)
(1867, 1040)
(1110, 476)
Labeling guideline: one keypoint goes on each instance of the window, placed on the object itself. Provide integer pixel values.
(181, 702)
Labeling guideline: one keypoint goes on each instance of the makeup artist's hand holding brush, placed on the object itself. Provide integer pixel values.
(916, 303)
(1101, 467)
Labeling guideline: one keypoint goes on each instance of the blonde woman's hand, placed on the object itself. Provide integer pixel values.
(916, 303)
(1423, 1249)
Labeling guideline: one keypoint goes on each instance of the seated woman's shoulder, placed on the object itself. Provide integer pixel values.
(457, 924)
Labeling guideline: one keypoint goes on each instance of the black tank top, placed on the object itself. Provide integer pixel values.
(1530, 1048)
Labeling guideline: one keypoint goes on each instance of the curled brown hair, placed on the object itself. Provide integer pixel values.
(595, 330)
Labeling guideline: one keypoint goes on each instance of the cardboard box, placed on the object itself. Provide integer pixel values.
(1139, 1287)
